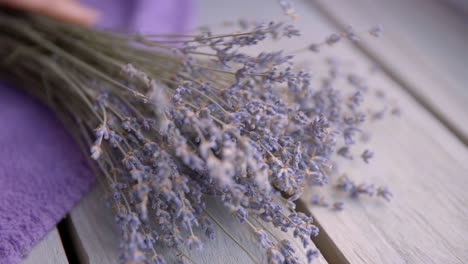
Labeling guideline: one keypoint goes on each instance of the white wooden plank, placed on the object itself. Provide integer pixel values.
(424, 46)
(417, 156)
(425, 166)
(48, 250)
(423, 163)
(98, 237)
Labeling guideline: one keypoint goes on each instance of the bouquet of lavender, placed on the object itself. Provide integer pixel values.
(171, 120)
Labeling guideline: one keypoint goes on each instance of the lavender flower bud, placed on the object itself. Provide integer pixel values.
(376, 30)
(333, 39)
(96, 152)
(312, 254)
(367, 155)
(194, 242)
(385, 193)
(338, 205)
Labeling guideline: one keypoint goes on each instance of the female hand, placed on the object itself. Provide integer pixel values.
(67, 10)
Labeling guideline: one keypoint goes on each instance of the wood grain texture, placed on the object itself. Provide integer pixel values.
(416, 155)
(426, 222)
(49, 250)
(424, 46)
(423, 163)
(97, 237)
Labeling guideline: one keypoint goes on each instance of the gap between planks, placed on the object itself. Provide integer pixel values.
(68, 234)
(323, 241)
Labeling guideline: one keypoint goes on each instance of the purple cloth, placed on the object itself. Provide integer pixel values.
(42, 171)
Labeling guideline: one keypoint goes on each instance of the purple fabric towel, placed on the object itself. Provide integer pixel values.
(42, 171)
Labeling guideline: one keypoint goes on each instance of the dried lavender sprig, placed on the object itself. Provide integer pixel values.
(165, 137)
(349, 33)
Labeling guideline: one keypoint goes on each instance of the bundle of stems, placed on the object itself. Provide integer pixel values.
(171, 120)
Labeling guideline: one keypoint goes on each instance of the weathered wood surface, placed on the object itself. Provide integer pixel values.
(97, 237)
(49, 250)
(426, 167)
(425, 48)
(416, 156)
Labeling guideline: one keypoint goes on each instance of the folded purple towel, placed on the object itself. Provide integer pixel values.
(42, 171)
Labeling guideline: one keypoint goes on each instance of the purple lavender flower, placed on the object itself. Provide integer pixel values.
(362, 188)
(351, 35)
(263, 238)
(287, 8)
(376, 30)
(385, 193)
(314, 47)
(338, 205)
(209, 232)
(158, 260)
(204, 120)
(312, 254)
(367, 155)
(194, 242)
(333, 39)
(274, 256)
(344, 152)
(345, 184)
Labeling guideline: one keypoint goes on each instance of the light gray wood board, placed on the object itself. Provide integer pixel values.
(416, 155)
(425, 46)
(401, 244)
(459, 6)
(49, 250)
(94, 225)
(97, 237)
(426, 169)
(424, 164)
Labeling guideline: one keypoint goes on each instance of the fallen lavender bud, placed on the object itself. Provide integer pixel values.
(385, 193)
(376, 30)
(367, 155)
(338, 206)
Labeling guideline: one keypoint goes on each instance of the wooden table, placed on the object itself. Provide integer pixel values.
(422, 155)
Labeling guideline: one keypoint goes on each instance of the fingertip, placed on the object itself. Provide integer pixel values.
(90, 16)
(71, 11)
(80, 14)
